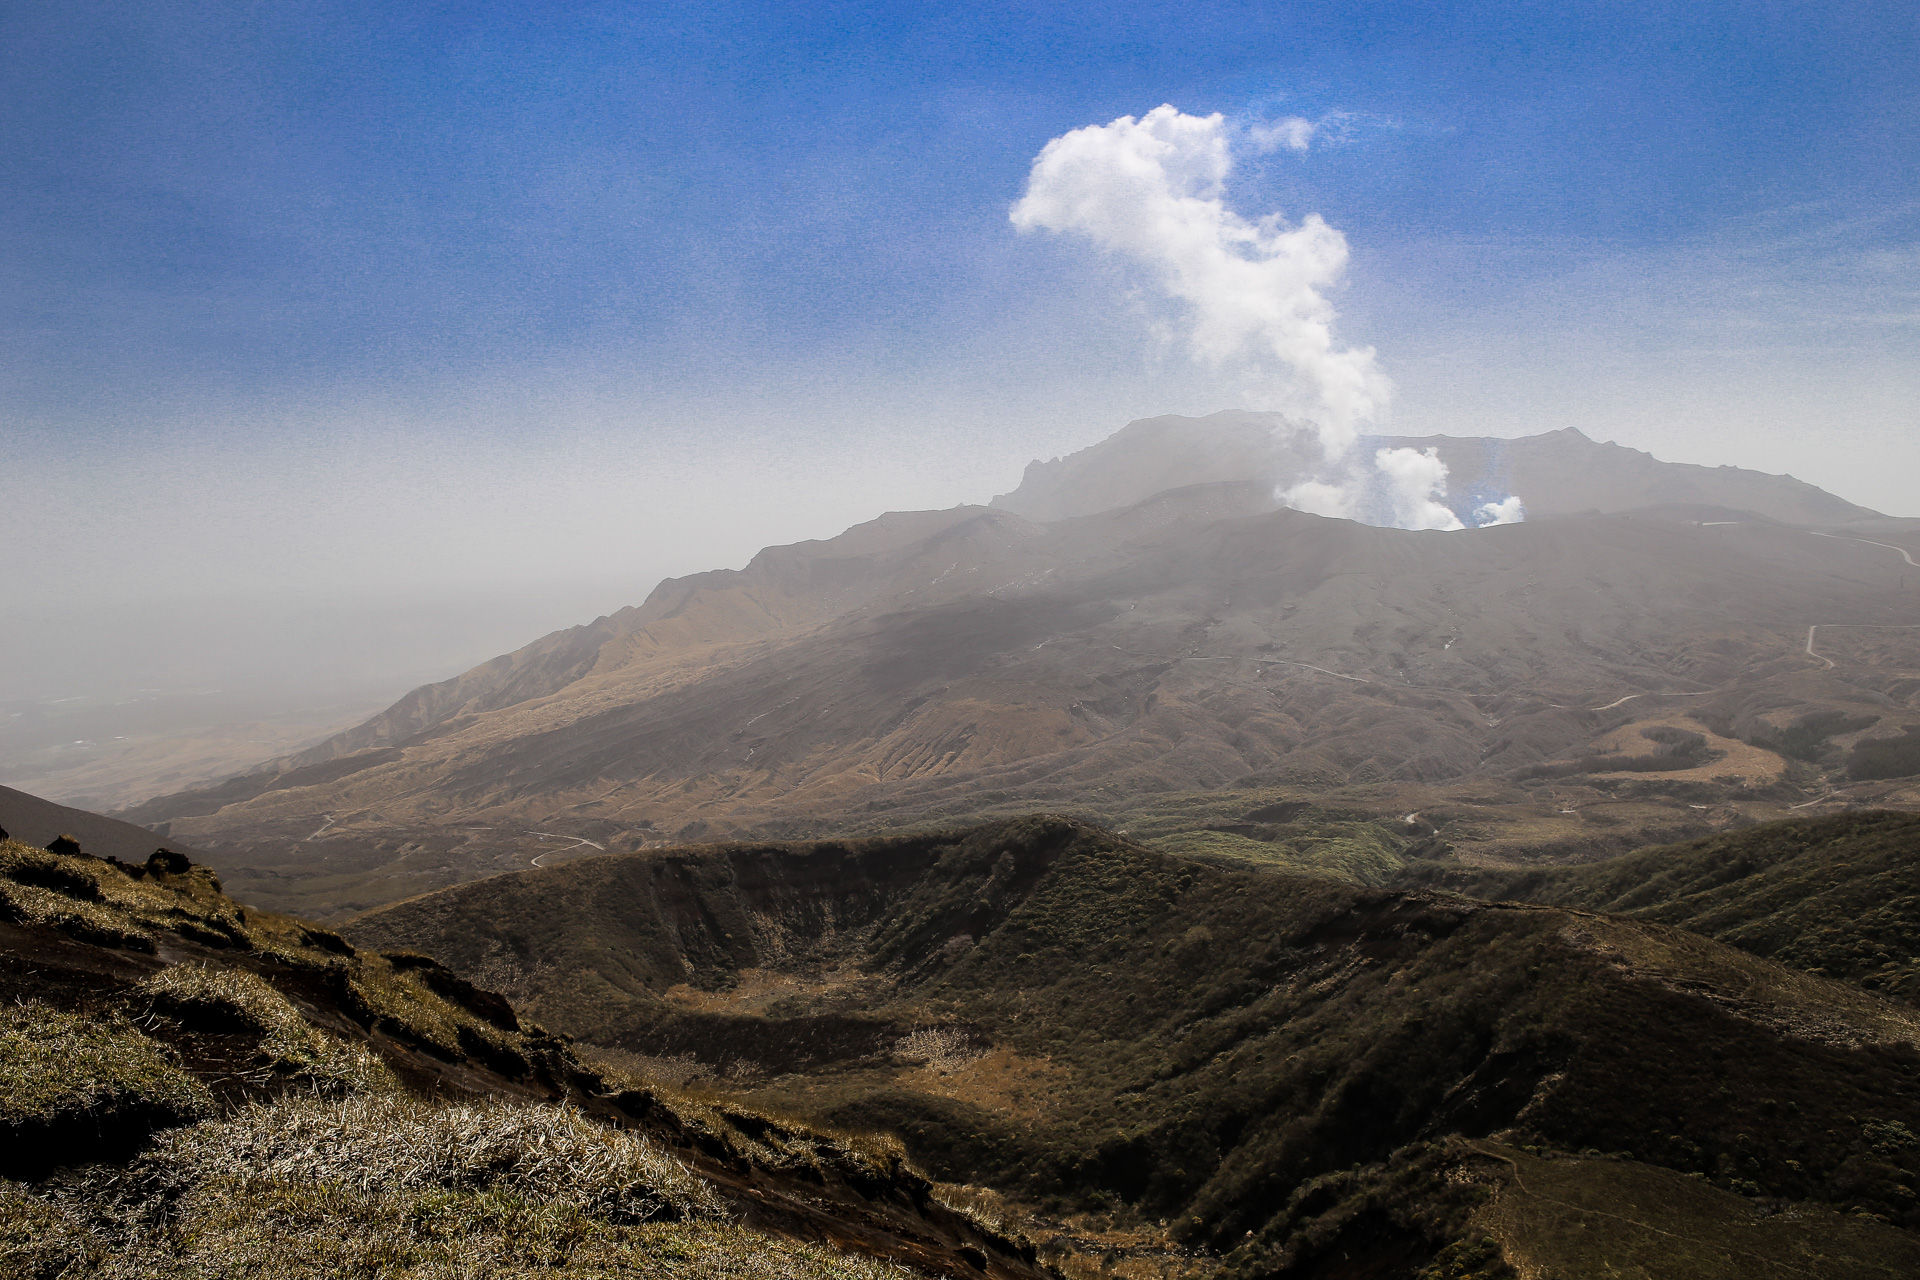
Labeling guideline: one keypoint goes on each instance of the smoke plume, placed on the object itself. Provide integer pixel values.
(1153, 190)
(1509, 510)
(1416, 480)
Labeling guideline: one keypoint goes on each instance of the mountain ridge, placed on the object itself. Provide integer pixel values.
(1554, 473)
(550, 663)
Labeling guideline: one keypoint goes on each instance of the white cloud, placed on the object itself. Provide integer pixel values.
(1153, 189)
(1295, 133)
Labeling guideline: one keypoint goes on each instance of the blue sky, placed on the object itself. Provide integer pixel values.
(369, 296)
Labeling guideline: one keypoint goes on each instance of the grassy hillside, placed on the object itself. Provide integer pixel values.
(1359, 832)
(1275, 1069)
(1837, 896)
(189, 1087)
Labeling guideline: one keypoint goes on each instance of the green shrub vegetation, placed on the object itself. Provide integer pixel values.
(1886, 757)
(1360, 851)
(1837, 896)
(1674, 750)
(1807, 738)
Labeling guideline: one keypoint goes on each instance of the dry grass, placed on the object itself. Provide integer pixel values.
(939, 1048)
(983, 1205)
(775, 1140)
(111, 905)
(221, 1000)
(385, 1143)
(386, 1186)
(77, 917)
(206, 998)
(391, 997)
(280, 1230)
(133, 908)
(57, 1068)
(647, 1070)
(332, 1170)
(374, 1184)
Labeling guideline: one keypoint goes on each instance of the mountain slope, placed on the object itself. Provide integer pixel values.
(1282, 1067)
(36, 821)
(971, 662)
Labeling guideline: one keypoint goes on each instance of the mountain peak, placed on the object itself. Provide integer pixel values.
(1561, 472)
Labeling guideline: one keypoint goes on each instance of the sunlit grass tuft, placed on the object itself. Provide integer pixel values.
(59, 1070)
(375, 1142)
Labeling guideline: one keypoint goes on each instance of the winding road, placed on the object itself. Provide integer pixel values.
(1658, 694)
(1884, 626)
(1904, 553)
(1855, 626)
(555, 835)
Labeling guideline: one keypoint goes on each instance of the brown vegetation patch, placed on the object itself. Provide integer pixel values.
(1752, 766)
(998, 1079)
(757, 989)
